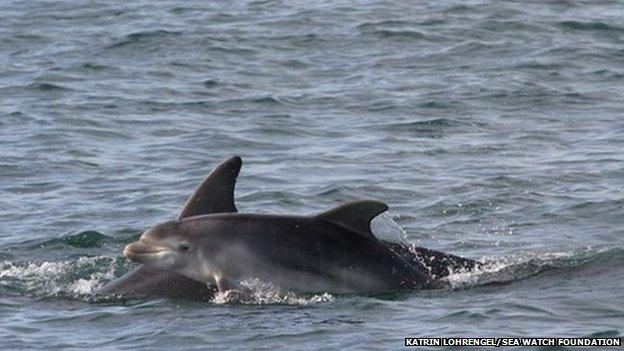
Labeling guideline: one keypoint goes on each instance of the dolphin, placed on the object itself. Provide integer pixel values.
(215, 195)
(334, 251)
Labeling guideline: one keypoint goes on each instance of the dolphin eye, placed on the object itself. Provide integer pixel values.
(183, 247)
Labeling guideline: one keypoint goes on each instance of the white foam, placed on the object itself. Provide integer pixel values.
(31, 269)
(257, 292)
(84, 286)
(50, 277)
(502, 269)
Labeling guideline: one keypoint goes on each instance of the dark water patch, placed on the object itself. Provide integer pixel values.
(368, 26)
(470, 47)
(460, 9)
(34, 188)
(76, 121)
(396, 34)
(154, 34)
(338, 193)
(607, 73)
(303, 40)
(233, 50)
(530, 308)
(606, 334)
(86, 239)
(378, 106)
(129, 233)
(440, 104)
(540, 137)
(293, 63)
(180, 10)
(277, 131)
(52, 137)
(144, 37)
(426, 124)
(590, 26)
(267, 100)
(571, 261)
(261, 101)
(47, 87)
(156, 107)
(538, 65)
(94, 66)
(18, 114)
(30, 37)
(508, 182)
(610, 210)
(101, 133)
(512, 26)
(210, 83)
(431, 128)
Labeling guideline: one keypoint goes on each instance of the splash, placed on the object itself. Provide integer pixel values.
(514, 268)
(385, 227)
(257, 292)
(73, 277)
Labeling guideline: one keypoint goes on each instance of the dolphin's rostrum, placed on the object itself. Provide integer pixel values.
(335, 251)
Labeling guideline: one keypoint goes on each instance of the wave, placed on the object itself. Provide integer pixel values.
(84, 239)
(48, 87)
(431, 128)
(392, 29)
(590, 26)
(144, 37)
(398, 34)
(71, 278)
(511, 269)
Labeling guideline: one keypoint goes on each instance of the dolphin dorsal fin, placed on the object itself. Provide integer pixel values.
(355, 215)
(216, 193)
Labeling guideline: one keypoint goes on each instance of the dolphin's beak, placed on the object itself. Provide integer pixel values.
(139, 252)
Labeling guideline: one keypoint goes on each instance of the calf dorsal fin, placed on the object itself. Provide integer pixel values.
(216, 193)
(355, 216)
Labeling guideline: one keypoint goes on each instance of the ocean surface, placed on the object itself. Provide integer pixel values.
(493, 130)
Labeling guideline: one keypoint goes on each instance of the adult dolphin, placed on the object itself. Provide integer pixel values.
(214, 195)
(334, 251)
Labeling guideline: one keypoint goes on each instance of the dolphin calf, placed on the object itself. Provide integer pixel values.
(332, 251)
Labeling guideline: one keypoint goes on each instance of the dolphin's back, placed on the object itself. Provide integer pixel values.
(305, 253)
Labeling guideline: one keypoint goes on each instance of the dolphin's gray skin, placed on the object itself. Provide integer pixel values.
(334, 251)
(216, 195)
(145, 281)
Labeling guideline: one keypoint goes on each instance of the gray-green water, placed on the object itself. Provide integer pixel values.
(494, 130)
